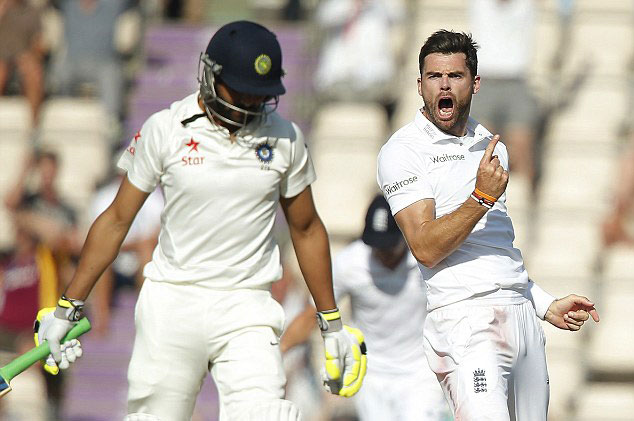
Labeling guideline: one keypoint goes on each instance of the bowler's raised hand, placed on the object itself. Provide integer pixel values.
(491, 178)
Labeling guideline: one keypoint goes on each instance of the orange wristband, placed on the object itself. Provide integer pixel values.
(482, 199)
(484, 195)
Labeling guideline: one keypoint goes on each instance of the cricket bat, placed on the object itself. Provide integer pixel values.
(24, 361)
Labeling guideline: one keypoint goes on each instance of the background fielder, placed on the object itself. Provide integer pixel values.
(224, 160)
(387, 299)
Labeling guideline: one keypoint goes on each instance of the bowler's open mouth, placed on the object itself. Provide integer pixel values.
(445, 107)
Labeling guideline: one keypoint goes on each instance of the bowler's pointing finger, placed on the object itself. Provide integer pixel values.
(488, 152)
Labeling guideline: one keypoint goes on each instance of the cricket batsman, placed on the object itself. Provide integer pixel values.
(225, 160)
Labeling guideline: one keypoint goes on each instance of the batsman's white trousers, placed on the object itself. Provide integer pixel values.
(489, 356)
(414, 396)
(185, 330)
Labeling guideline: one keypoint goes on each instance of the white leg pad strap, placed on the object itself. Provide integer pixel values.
(141, 417)
(276, 410)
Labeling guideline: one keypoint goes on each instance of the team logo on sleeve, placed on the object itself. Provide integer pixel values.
(264, 152)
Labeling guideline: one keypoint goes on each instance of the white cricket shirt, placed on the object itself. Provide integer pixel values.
(220, 196)
(388, 306)
(420, 162)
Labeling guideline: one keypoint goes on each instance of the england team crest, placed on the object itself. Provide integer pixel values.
(264, 153)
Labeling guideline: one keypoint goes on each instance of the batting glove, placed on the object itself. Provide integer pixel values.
(52, 324)
(346, 360)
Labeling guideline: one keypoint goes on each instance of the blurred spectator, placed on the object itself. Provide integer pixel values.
(28, 282)
(89, 54)
(614, 227)
(42, 211)
(190, 11)
(21, 48)
(43, 216)
(358, 59)
(136, 251)
(293, 10)
(505, 29)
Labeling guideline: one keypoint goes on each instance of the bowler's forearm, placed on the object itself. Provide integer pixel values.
(438, 238)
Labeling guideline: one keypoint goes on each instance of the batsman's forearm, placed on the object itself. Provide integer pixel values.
(440, 237)
(313, 255)
(99, 251)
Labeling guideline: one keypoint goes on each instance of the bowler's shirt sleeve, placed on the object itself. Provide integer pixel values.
(301, 172)
(142, 159)
(401, 177)
(540, 299)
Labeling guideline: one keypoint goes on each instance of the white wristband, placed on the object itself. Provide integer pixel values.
(541, 299)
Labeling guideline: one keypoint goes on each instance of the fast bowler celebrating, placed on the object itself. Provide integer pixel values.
(225, 160)
(445, 176)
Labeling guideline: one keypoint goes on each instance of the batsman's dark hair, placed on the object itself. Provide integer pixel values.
(450, 42)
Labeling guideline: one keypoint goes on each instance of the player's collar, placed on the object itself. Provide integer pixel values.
(475, 131)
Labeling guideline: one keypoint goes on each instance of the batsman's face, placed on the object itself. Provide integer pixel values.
(446, 85)
(246, 102)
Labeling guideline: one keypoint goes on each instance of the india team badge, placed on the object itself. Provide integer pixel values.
(264, 153)
(263, 64)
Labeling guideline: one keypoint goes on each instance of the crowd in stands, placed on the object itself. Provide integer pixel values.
(93, 48)
(40, 60)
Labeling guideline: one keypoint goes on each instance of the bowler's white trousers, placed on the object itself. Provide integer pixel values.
(183, 331)
(488, 354)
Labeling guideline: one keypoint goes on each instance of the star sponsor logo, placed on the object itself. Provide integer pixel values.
(192, 160)
(392, 188)
(193, 145)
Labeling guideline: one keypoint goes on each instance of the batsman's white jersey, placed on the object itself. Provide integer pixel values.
(478, 296)
(389, 307)
(220, 196)
(206, 303)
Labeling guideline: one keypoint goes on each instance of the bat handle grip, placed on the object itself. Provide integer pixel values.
(40, 352)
